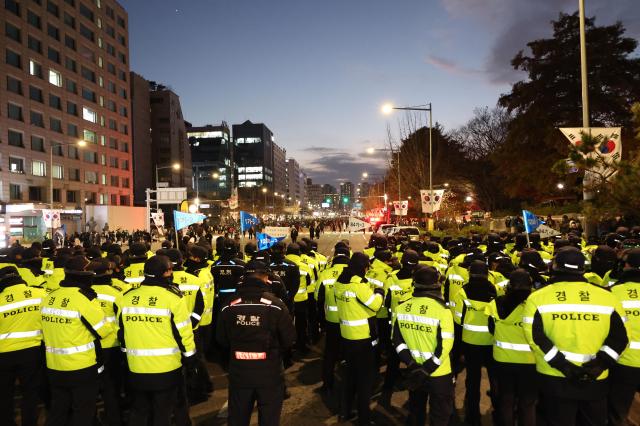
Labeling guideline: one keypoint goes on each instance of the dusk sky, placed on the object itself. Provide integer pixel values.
(316, 72)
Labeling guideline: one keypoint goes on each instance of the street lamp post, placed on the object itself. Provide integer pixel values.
(174, 166)
(387, 109)
(264, 191)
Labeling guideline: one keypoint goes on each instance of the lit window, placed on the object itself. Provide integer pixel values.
(55, 78)
(58, 172)
(90, 136)
(89, 115)
(38, 168)
(35, 68)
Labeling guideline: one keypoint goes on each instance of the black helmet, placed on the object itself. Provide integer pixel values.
(478, 269)
(293, 248)
(381, 243)
(174, 255)
(138, 250)
(250, 248)
(263, 256)
(520, 280)
(157, 266)
(198, 252)
(431, 247)
(9, 275)
(604, 258)
(632, 259)
(77, 267)
(532, 259)
(256, 267)
(569, 260)
(358, 263)
(425, 278)
(279, 248)
(410, 257)
(100, 267)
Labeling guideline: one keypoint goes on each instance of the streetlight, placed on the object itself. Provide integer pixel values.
(80, 143)
(469, 199)
(388, 108)
(560, 186)
(174, 166)
(215, 175)
(365, 175)
(264, 191)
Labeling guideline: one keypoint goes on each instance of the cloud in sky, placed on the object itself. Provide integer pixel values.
(517, 22)
(451, 66)
(336, 165)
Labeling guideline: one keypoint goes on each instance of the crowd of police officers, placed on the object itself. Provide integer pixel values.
(555, 322)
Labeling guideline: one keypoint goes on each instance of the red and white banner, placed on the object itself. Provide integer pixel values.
(400, 207)
(51, 218)
(431, 202)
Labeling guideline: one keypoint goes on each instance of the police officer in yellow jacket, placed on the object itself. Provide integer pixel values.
(469, 314)
(423, 338)
(301, 297)
(625, 375)
(257, 329)
(357, 305)
(73, 324)
(577, 332)
(20, 346)
(514, 366)
(157, 309)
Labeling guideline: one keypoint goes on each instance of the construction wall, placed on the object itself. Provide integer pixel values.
(118, 217)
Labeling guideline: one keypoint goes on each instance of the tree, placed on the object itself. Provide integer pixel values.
(480, 139)
(550, 98)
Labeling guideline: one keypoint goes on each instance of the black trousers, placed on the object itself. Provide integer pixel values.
(620, 399)
(439, 391)
(566, 412)
(475, 358)
(74, 404)
(242, 401)
(300, 315)
(313, 320)
(157, 405)
(384, 334)
(27, 366)
(517, 392)
(361, 367)
(393, 369)
(331, 353)
(111, 381)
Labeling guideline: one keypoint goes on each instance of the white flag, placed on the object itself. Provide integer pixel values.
(546, 231)
(401, 207)
(431, 204)
(356, 224)
(51, 218)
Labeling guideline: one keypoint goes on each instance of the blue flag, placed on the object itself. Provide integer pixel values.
(247, 221)
(182, 220)
(531, 221)
(266, 241)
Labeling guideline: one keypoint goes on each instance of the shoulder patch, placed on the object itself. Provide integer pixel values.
(235, 302)
(265, 301)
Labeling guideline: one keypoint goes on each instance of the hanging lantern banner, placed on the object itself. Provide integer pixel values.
(608, 147)
(51, 218)
(401, 207)
(431, 204)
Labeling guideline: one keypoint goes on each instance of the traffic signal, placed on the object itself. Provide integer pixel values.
(327, 200)
(345, 199)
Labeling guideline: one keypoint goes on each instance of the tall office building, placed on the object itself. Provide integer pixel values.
(279, 169)
(314, 193)
(253, 155)
(65, 79)
(296, 181)
(213, 167)
(346, 194)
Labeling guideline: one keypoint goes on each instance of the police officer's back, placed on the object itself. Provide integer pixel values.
(288, 272)
(227, 271)
(577, 332)
(20, 352)
(155, 333)
(257, 329)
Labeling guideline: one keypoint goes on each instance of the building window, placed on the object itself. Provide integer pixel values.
(124, 147)
(113, 162)
(103, 160)
(14, 112)
(38, 168)
(14, 85)
(74, 175)
(34, 44)
(37, 143)
(112, 124)
(16, 165)
(124, 165)
(34, 20)
(72, 108)
(114, 199)
(115, 181)
(55, 78)
(122, 40)
(122, 57)
(124, 200)
(111, 105)
(69, 20)
(91, 157)
(53, 32)
(90, 136)
(35, 68)
(121, 22)
(12, 32)
(52, 8)
(88, 74)
(12, 58)
(111, 50)
(72, 196)
(37, 119)
(113, 143)
(89, 115)
(53, 55)
(86, 12)
(58, 171)
(15, 138)
(111, 68)
(71, 3)
(125, 182)
(90, 177)
(103, 179)
(55, 102)
(35, 94)
(12, 6)
(70, 42)
(73, 152)
(86, 33)
(124, 129)
(122, 75)
(55, 124)
(57, 149)
(103, 141)
(35, 193)
(88, 94)
(15, 192)
(70, 64)
(111, 86)
(72, 86)
(123, 111)
(72, 130)
(102, 198)
(56, 195)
